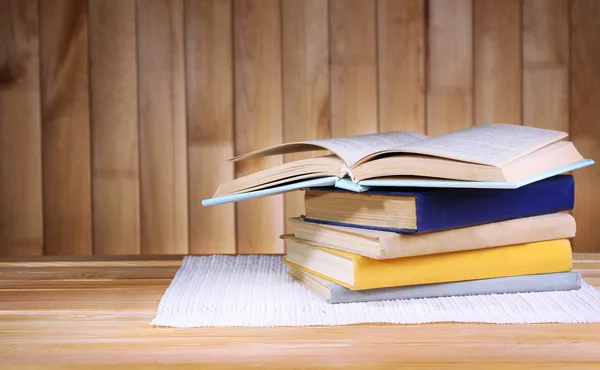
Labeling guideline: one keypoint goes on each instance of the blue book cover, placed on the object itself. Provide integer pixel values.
(440, 209)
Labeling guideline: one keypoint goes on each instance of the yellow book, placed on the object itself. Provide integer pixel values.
(356, 272)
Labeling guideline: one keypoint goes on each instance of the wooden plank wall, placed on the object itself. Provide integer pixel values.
(117, 116)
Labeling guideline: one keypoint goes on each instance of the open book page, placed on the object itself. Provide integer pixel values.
(490, 144)
(353, 148)
(350, 149)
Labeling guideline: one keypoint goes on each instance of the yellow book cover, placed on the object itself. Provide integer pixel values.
(359, 273)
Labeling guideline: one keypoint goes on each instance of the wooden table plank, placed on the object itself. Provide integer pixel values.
(424, 366)
(99, 337)
(104, 317)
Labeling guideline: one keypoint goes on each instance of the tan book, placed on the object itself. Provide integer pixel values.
(386, 245)
(359, 273)
(501, 153)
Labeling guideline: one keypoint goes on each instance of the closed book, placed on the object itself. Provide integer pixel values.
(421, 210)
(334, 293)
(380, 244)
(359, 273)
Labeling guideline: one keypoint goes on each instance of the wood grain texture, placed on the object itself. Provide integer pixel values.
(66, 127)
(21, 213)
(353, 66)
(371, 365)
(401, 48)
(114, 109)
(163, 130)
(102, 319)
(450, 66)
(209, 75)
(497, 59)
(546, 64)
(119, 141)
(585, 119)
(258, 116)
(305, 64)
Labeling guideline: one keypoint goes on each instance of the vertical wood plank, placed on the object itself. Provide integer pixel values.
(497, 38)
(258, 115)
(306, 103)
(209, 74)
(546, 64)
(450, 66)
(401, 65)
(66, 127)
(585, 119)
(163, 137)
(353, 67)
(21, 221)
(113, 91)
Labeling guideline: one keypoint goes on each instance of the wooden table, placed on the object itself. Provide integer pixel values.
(96, 312)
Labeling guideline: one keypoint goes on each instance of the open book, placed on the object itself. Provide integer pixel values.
(485, 156)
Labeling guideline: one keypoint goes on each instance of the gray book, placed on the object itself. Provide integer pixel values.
(334, 293)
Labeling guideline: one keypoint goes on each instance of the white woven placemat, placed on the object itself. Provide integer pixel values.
(210, 291)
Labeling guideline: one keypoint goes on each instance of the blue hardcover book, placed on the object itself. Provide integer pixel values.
(439, 209)
(493, 156)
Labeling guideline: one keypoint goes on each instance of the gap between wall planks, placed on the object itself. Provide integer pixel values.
(118, 133)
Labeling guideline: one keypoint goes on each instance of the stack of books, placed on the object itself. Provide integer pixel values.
(401, 215)
(421, 243)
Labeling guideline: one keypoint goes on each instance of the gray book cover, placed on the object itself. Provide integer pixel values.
(514, 284)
